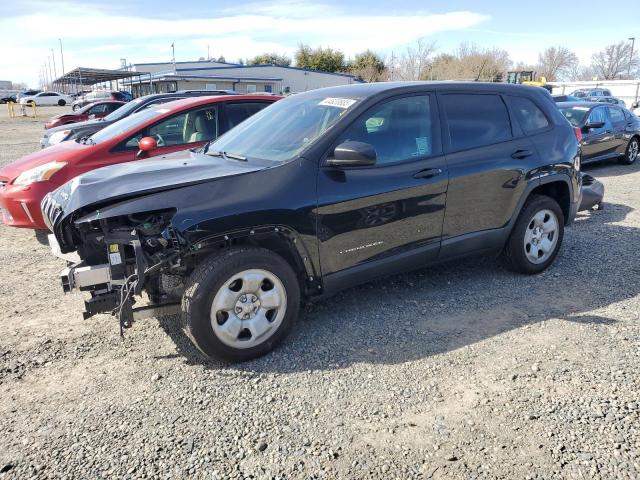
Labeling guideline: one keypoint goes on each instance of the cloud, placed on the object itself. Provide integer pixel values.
(240, 33)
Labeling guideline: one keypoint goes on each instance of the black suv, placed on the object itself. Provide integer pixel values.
(73, 131)
(314, 194)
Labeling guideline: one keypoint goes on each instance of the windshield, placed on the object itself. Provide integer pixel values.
(575, 115)
(282, 130)
(121, 126)
(123, 111)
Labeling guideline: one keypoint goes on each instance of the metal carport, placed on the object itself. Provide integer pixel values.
(75, 80)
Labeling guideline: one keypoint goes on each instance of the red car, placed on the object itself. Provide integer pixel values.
(89, 112)
(158, 130)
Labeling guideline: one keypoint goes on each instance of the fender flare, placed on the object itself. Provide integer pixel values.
(531, 186)
(286, 236)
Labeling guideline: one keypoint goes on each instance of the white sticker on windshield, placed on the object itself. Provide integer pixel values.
(338, 102)
(581, 108)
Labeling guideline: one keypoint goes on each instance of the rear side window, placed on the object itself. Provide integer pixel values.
(616, 115)
(476, 120)
(528, 115)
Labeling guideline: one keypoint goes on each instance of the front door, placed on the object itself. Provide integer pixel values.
(395, 207)
(598, 143)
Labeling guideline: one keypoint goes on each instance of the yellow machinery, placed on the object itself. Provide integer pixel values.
(527, 77)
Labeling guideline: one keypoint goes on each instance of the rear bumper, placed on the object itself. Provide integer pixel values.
(592, 192)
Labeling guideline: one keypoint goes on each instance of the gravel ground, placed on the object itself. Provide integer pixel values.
(458, 371)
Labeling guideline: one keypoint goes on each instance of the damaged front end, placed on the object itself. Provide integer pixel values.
(118, 258)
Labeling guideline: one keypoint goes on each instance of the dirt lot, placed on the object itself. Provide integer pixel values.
(460, 371)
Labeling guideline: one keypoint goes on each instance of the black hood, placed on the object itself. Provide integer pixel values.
(109, 185)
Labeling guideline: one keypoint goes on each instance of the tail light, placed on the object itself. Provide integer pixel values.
(578, 133)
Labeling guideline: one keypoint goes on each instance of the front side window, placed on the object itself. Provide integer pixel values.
(528, 115)
(476, 120)
(189, 127)
(239, 112)
(598, 115)
(101, 108)
(398, 130)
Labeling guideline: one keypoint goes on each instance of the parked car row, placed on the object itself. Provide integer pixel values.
(301, 197)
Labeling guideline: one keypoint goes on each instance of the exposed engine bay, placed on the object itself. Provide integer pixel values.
(120, 257)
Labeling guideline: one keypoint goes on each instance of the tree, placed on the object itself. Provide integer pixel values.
(270, 58)
(414, 61)
(556, 63)
(469, 62)
(325, 59)
(368, 66)
(221, 59)
(614, 61)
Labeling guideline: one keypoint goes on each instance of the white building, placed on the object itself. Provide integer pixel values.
(212, 75)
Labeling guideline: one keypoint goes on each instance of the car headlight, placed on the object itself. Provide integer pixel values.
(39, 174)
(58, 137)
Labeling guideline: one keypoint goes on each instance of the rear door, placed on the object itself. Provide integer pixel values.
(619, 124)
(395, 207)
(488, 156)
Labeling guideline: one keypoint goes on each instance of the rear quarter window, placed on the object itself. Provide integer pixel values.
(528, 115)
(476, 120)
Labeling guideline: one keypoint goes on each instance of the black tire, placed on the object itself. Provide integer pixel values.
(632, 152)
(515, 254)
(42, 236)
(210, 276)
(75, 108)
(62, 103)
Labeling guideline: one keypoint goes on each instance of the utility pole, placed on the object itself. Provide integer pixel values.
(208, 55)
(173, 50)
(393, 64)
(50, 73)
(633, 42)
(61, 55)
(53, 57)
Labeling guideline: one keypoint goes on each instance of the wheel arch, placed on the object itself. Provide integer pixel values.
(557, 186)
(280, 239)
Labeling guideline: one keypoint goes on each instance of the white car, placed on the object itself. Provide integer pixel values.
(47, 98)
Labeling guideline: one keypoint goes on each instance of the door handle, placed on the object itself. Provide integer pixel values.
(427, 173)
(520, 154)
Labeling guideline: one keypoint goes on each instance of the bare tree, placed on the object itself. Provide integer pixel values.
(614, 61)
(556, 63)
(470, 62)
(414, 61)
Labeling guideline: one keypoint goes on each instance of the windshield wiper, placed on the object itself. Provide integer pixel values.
(227, 155)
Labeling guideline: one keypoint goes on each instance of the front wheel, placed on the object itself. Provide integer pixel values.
(536, 237)
(62, 103)
(632, 151)
(240, 303)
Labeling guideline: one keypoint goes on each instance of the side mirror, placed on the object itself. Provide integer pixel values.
(146, 145)
(353, 154)
(591, 125)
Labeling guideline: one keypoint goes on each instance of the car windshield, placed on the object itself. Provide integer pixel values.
(575, 115)
(281, 131)
(123, 111)
(126, 124)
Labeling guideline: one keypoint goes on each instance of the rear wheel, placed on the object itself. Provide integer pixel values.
(632, 151)
(536, 237)
(239, 304)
